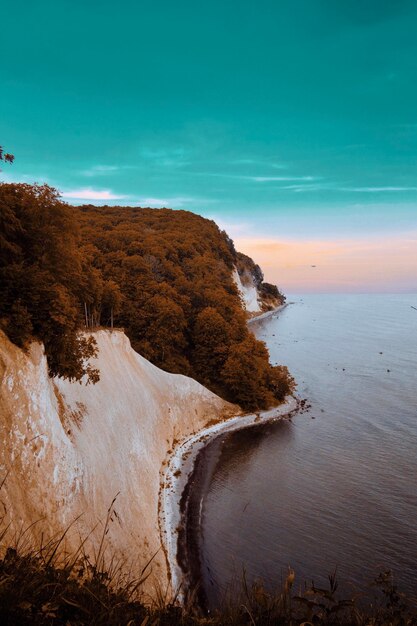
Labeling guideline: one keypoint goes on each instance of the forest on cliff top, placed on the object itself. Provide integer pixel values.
(164, 276)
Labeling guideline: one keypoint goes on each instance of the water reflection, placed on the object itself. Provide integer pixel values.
(235, 451)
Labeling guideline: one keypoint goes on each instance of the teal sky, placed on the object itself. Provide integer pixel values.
(288, 120)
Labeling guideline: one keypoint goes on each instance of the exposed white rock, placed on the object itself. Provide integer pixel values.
(248, 292)
(68, 449)
(180, 467)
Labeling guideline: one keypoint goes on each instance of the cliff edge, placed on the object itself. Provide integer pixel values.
(256, 295)
(68, 449)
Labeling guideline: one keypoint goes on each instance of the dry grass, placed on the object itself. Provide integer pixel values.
(40, 587)
(47, 586)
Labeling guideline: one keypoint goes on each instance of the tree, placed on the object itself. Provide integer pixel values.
(111, 301)
(211, 340)
(40, 274)
(164, 342)
(245, 374)
(6, 156)
(180, 305)
(280, 382)
(165, 275)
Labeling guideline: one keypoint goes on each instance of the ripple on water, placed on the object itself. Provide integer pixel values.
(339, 490)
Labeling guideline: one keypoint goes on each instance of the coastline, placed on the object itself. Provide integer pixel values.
(262, 316)
(177, 472)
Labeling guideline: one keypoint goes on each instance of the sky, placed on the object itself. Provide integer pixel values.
(291, 123)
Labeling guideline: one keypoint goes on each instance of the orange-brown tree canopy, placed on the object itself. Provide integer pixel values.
(164, 276)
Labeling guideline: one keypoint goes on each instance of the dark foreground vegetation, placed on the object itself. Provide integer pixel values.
(38, 588)
(164, 276)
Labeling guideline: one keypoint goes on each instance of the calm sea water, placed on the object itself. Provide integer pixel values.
(339, 490)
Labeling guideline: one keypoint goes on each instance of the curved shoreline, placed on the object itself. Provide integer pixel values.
(179, 469)
(262, 316)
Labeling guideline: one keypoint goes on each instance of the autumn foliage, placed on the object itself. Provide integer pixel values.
(164, 276)
(42, 278)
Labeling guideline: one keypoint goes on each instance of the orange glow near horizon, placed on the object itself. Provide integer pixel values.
(345, 265)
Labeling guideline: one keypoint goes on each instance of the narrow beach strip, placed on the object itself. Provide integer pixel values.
(179, 468)
(262, 316)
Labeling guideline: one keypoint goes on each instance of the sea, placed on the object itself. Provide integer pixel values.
(334, 489)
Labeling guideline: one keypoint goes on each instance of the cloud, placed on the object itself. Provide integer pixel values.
(174, 157)
(259, 179)
(277, 166)
(14, 177)
(300, 188)
(308, 187)
(233, 229)
(92, 194)
(376, 189)
(266, 179)
(175, 202)
(100, 170)
(6, 177)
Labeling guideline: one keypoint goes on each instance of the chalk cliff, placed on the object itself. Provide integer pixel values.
(257, 296)
(67, 449)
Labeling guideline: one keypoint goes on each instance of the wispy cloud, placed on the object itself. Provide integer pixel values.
(175, 157)
(259, 179)
(100, 170)
(267, 179)
(308, 187)
(233, 228)
(375, 189)
(92, 194)
(14, 177)
(6, 177)
(274, 165)
(174, 202)
(303, 188)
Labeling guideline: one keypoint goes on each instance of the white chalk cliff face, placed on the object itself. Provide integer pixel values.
(68, 449)
(248, 291)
